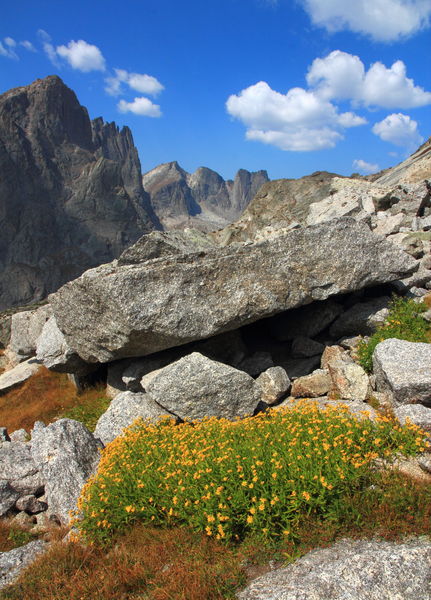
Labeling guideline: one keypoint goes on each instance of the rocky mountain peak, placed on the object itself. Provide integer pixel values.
(71, 193)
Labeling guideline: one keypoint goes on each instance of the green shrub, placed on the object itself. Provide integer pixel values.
(89, 410)
(403, 323)
(256, 476)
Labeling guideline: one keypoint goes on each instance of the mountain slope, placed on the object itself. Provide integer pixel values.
(71, 195)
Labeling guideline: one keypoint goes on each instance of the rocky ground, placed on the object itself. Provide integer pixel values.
(262, 314)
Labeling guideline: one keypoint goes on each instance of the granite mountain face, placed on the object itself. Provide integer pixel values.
(202, 200)
(71, 194)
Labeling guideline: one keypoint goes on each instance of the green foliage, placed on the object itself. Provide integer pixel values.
(20, 537)
(258, 476)
(403, 323)
(88, 411)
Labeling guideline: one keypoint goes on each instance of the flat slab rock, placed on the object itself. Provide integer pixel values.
(403, 369)
(119, 311)
(351, 570)
(14, 561)
(18, 375)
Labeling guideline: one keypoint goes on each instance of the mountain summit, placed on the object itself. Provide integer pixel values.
(71, 194)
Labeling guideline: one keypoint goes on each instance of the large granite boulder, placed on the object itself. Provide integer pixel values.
(351, 570)
(196, 387)
(26, 327)
(403, 369)
(123, 411)
(66, 454)
(114, 311)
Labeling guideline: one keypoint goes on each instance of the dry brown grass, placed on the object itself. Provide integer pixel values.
(45, 396)
(145, 563)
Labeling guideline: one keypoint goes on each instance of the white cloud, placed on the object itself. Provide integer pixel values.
(48, 48)
(7, 50)
(82, 56)
(28, 46)
(382, 20)
(364, 167)
(145, 84)
(400, 130)
(342, 76)
(299, 120)
(140, 106)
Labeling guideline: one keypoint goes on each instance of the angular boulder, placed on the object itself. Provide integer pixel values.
(362, 318)
(403, 369)
(123, 410)
(274, 383)
(26, 327)
(118, 311)
(196, 387)
(351, 570)
(67, 454)
(315, 385)
(415, 413)
(14, 561)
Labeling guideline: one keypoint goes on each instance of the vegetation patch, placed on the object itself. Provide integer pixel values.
(404, 323)
(253, 477)
(47, 396)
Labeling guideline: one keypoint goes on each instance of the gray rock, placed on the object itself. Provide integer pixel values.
(18, 375)
(15, 561)
(23, 520)
(148, 378)
(424, 461)
(29, 484)
(349, 381)
(351, 570)
(8, 497)
(357, 410)
(195, 387)
(26, 327)
(67, 454)
(19, 435)
(123, 411)
(257, 363)
(303, 347)
(388, 224)
(361, 319)
(31, 504)
(16, 462)
(55, 353)
(111, 312)
(314, 385)
(306, 321)
(403, 369)
(274, 384)
(5, 321)
(351, 343)
(416, 413)
(299, 367)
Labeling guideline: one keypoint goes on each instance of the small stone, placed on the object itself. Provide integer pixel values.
(30, 504)
(303, 347)
(314, 385)
(349, 381)
(257, 363)
(274, 383)
(23, 520)
(14, 561)
(8, 497)
(18, 375)
(19, 435)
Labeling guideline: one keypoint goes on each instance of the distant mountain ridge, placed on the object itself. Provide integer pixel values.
(71, 194)
(203, 199)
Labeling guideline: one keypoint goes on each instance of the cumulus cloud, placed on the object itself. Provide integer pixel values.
(47, 46)
(7, 49)
(299, 120)
(342, 76)
(140, 106)
(400, 130)
(82, 56)
(28, 46)
(145, 84)
(364, 167)
(382, 20)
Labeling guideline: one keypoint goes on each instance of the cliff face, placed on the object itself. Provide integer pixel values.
(203, 199)
(71, 195)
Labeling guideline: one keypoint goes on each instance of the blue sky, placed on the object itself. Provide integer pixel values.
(290, 86)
